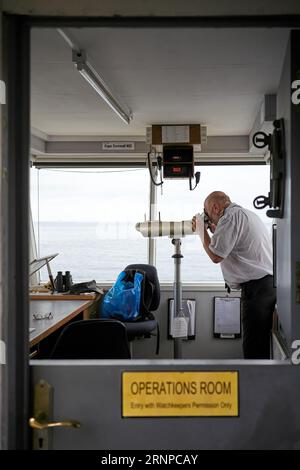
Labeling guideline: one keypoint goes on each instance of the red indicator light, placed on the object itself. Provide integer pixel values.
(176, 169)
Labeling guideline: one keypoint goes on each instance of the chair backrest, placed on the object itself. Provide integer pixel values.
(151, 273)
(92, 339)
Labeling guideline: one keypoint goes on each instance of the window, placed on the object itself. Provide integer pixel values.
(241, 182)
(88, 216)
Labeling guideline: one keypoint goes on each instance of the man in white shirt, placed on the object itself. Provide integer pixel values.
(242, 245)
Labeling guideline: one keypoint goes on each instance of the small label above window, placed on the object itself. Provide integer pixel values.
(118, 146)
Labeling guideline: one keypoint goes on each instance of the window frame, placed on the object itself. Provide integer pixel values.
(151, 242)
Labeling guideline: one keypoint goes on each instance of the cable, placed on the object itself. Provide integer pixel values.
(151, 176)
(197, 177)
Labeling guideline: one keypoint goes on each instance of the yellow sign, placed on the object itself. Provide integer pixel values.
(147, 394)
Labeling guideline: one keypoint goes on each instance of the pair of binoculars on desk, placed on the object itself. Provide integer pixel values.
(63, 282)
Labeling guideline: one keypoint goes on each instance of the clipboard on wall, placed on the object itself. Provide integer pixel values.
(227, 317)
(189, 308)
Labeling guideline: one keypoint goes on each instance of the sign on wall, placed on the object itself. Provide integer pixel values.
(149, 394)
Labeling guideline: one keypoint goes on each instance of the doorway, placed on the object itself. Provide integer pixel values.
(263, 376)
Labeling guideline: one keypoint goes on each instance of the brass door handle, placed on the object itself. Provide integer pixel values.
(42, 424)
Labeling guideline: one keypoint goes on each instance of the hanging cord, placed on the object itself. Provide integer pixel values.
(197, 177)
(38, 212)
(150, 171)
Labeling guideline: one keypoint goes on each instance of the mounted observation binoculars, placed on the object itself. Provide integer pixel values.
(157, 228)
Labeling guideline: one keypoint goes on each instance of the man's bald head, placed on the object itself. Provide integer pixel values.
(215, 204)
(217, 197)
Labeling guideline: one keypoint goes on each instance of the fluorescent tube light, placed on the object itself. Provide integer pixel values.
(92, 77)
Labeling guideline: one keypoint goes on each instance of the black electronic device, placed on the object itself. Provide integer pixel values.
(178, 161)
(276, 145)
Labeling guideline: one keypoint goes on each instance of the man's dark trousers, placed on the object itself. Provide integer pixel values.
(258, 301)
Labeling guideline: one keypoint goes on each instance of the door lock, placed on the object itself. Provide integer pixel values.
(41, 422)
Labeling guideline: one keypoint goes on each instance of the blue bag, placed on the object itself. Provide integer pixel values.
(122, 301)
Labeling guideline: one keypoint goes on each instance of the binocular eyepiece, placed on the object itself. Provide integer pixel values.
(206, 219)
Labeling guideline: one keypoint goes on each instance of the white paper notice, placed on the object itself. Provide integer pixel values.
(175, 134)
(188, 313)
(227, 315)
(180, 327)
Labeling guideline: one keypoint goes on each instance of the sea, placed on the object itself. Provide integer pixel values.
(93, 251)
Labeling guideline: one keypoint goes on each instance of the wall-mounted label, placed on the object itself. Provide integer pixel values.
(2, 352)
(175, 134)
(148, 394)
(118, 146)
(2, 92)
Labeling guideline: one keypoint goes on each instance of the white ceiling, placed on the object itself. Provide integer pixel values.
(216, 77)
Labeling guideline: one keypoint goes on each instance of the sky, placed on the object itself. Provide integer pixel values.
(118, 195)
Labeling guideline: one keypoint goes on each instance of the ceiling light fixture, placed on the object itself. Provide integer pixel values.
(93, 78)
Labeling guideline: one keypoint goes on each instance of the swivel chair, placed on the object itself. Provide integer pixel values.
(92, 339)
(144, 328)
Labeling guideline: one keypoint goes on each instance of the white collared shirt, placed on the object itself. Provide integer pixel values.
(242, 239)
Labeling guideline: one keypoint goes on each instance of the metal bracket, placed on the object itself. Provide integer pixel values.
(42, 411)
(276, 146)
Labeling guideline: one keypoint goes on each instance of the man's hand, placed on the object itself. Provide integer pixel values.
(212, 227)
(199, 226)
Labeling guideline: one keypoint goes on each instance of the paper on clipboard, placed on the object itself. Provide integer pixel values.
(189, 309)
(227, 317)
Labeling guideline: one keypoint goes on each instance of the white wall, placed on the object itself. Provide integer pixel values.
(205, 346)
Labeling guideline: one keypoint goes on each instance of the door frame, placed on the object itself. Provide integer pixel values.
(15, 190)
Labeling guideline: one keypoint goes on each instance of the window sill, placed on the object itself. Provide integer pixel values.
(186, 286)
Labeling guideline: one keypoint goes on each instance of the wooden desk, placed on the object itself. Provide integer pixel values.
(60, 296)
(62, 311)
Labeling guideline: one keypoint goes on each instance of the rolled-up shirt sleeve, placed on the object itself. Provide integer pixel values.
(225, 237)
